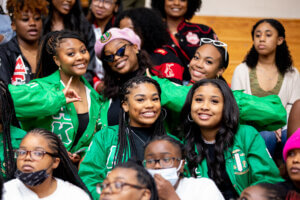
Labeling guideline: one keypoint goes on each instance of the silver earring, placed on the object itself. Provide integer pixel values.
(164, 114)
(190, 119)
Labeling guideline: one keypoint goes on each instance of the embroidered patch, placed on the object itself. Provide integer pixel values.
(240, 165)
(105, 37)
(192, 38)
(20, 72)
(161, 51)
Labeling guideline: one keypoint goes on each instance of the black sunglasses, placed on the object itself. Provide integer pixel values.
(120, 52)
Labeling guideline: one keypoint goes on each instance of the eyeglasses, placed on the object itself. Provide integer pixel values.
(106, 3)
(34, 155)
(216, 43)
(163, 162)
(117, 187)
(120, 52)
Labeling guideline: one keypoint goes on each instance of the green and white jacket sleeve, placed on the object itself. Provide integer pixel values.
(98, 160)
(264, 113)
(30, 99)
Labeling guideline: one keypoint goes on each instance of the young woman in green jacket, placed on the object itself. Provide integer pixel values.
(140, 119)
(217, 146)
(42, 104)
(119, 50)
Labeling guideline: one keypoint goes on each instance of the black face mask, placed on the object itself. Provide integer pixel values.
(32, 178)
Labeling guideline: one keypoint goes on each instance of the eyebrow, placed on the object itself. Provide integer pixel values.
(201, 95)
(143, 95)
(162, 153)
(206, 56)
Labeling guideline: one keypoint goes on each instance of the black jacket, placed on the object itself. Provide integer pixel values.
(14, 68)
(188, 36)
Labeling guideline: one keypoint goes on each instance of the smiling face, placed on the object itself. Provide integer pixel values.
(124, 175)
(206, 63)
(36, 142)
(63, 6)
(266, 39)
(103, 11)
(122, 64)
(207, 107)
(293, 165)
(72, 56)
(28, 26)
(142, 105)
(176, 8)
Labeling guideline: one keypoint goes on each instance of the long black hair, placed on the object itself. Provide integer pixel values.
(91, 17)
(148, 25)
(224, 138)
(113, 80)
(66, 170)
(7, 118)
(283, 58)
(143, 177)
(48, 49)
(74, 21)
(125, 137)
(193, 6)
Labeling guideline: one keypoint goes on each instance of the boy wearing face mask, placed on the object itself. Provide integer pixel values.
(165, 162)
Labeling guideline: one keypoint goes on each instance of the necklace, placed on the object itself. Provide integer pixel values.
(138, 137)
(208, 142)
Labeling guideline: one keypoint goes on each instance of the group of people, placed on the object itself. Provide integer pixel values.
(132, 105)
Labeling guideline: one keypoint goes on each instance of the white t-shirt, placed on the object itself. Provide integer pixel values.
(198, 188)
(16, 190)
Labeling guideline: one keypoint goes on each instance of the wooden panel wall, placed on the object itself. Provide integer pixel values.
(236, 32)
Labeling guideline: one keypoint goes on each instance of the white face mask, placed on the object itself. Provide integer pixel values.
(170, 174)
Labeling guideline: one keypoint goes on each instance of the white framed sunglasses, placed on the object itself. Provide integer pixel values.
(216, 43)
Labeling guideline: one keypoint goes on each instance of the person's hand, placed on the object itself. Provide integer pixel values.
(70, 94)
(74, 157)
(278, 135)
(164, 188)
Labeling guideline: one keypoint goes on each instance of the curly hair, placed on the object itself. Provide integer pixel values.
(48, 48)
(193, 6)
(125, 137)
(148, 25)
(283, 58)
(225, 135)
(66, 170)
(15, 7)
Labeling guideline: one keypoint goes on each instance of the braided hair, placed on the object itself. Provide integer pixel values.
(224, 138)
(125, 137)
(48, 49)
(66, 170)
(7, 118)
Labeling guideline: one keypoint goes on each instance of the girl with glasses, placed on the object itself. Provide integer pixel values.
(218, 146)
(210, 60)
(267, 70)
(119, 49)
(102, 17)
(68, 15)
(152, 30)
(140, 119)
(184, 36)
(44, 170)
(129, 180)
(165, 160)
(41, 103)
